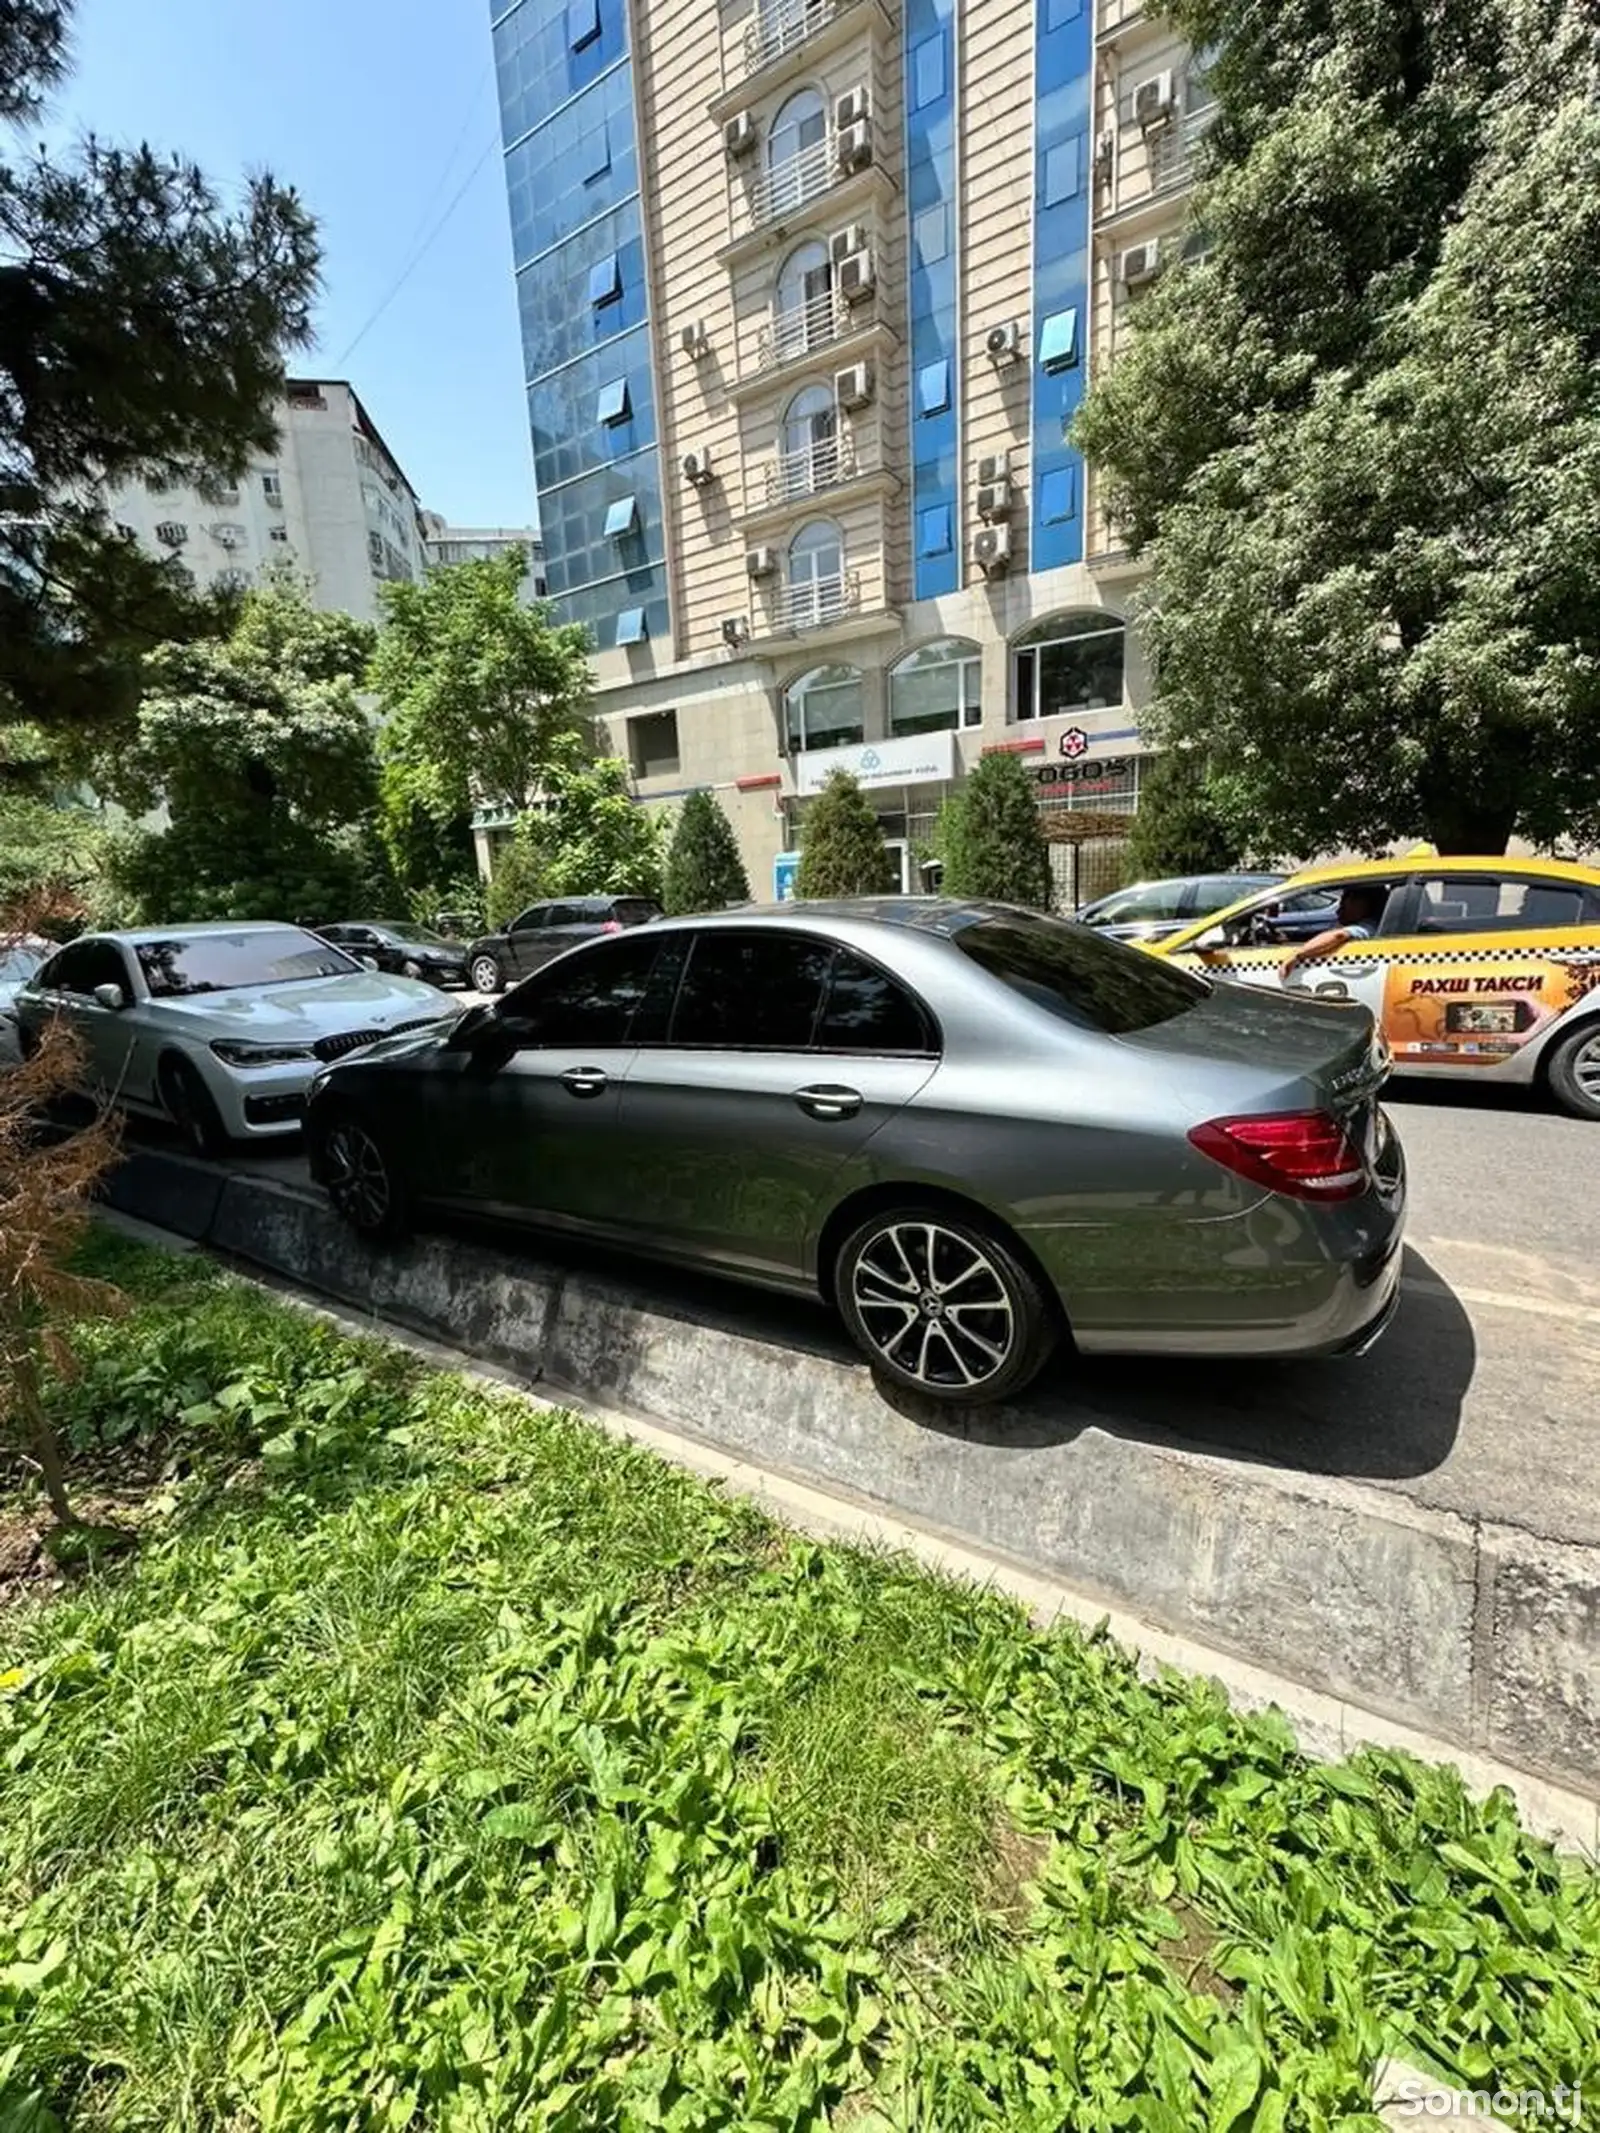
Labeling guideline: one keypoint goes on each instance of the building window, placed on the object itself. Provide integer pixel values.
(622, 518)
(934, 534)
(930, 235)
(605, 281)
(1058, 495)
(933, 388)
(1058, 13)
(798, 131)
(595, 153)
(810, 441)
(927, 71)
(815, 574)
(583, 23)
(631, 626)
(1063, 171)
(936, 689)
(653, 744)
(1058, 342)
(272, 488)
(823, 709)
(279, 534)
(613, 401)
(1069, 663)
(802, 311)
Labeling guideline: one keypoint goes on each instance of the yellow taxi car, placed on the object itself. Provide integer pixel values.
(1487, 968)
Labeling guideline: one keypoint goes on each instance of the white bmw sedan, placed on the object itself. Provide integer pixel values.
(219, 1028)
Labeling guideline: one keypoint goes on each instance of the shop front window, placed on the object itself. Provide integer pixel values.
(1069, 663)
(823, 709)
(936, 688)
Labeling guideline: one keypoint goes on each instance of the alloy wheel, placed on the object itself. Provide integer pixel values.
(486, 974)
(934, 1304)
(358, 1176)
(1586, 1068)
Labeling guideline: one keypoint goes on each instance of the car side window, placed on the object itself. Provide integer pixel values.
(565, 915)
(1155, 900)
(589, 1001)
(1216, 893)
(68, 971)
(86, 964)
(868, 1011)
(751, 992)
(526, 921)
(1496, 903)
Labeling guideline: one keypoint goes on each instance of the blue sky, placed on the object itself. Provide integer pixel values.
(382, 113)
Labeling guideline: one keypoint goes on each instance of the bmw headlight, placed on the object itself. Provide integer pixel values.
(235, 1052)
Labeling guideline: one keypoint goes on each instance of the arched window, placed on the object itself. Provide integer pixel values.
(802, 309)
(822, 709)
(1069, 663)
(936, 688)
(815, 574)
(809, 452)
(797, 154)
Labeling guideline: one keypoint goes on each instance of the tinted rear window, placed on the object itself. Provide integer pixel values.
(1076, 974)
(633, 911)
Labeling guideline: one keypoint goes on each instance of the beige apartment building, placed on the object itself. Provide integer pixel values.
(810, 291)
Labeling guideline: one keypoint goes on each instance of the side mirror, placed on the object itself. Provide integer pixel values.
(112, 997)
(1213, 938)
(368, 962)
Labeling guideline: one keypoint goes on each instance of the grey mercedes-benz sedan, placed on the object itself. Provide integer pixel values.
(981, 1134)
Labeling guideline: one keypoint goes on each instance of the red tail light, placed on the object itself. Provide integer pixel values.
(612, 925)
(1306, 1154)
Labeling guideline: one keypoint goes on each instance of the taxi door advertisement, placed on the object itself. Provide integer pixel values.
(1440, 1009)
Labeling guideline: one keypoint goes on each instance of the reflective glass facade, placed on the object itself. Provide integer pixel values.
(572, 179)
(930, 77)
(1063, 188)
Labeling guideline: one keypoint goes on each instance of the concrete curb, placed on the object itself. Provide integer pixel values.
(1389, 1619)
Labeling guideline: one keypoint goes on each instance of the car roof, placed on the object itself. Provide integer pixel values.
(919, 914)
(1264, 875)
(1429, 862)
(223, 929)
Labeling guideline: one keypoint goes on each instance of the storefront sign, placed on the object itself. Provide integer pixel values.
(1107, 773)
(923, 759)
(785, 870)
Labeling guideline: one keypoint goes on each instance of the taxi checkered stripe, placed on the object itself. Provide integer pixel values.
(1396, 951)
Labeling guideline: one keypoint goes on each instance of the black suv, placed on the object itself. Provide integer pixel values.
(544, 930)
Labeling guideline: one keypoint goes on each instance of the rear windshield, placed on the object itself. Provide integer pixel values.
(16, 964)
(1078, 975)
(234, 962)
(634, 910)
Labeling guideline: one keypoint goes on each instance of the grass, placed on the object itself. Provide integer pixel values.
(438, 1762)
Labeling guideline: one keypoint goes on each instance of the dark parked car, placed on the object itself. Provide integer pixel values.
(546, 930)
(406, 950)
(1154, 910)
(978, 1132)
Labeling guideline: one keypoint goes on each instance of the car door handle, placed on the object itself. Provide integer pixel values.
(583, 1081)
(827, 1099)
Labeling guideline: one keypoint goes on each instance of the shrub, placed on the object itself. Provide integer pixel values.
(704, 870)
(993, 842)
(1180, 829)
(843, 853)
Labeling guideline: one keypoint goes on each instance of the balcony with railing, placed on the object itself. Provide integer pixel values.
(782, 189)
(813, 603)
(1167, 167)
(783, 26)
(822, 464)
(800, 329)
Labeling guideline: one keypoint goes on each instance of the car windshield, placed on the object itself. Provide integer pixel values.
(424, 935)
(1078, 975)
(236, 962)
(18, 964)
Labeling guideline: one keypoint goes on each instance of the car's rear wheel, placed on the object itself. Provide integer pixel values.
(486, 974)
(362, 1181)
(944, 1305)
(191, 1106)
(1574, 1072)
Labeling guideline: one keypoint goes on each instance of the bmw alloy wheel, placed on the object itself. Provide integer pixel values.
(358, 1178)
(935, 1305)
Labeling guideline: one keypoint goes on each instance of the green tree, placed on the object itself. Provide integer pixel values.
(481, 691)
(588, 837)
(704, 870)
(992, 840)
(1183, 825)
(842, 852)
(143, 327)
(260, 752)
(1359, 438)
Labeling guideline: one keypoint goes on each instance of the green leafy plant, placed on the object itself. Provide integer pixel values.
(588, 838)
(991, 839)
(1182, 826)
(842, 851)
(704, 871)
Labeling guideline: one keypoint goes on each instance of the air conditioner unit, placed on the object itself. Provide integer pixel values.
(761, 563)
(855, 277)
(853, 238)
(692, 340)
(991, 550)
(739, 134)
(227, 536)
(853, 146)
(994, 499)
(852, 107)
(697, 468)
(1004, 342)
(1154, 99)
(853, 387)
(1140, 262)
(1105, 153)
(171, 534)
(994, 466)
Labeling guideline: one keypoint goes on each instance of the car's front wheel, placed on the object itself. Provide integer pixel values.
(362, 1181)
(486, 974)
(1574, 1072)
(944, 1305)
(191, 1106)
